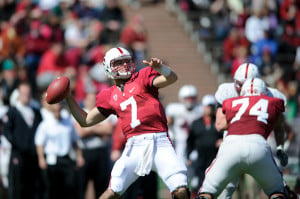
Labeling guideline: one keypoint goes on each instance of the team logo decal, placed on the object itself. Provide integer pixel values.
(115, 97)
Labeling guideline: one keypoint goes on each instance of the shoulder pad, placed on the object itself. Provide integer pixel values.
(225, 91)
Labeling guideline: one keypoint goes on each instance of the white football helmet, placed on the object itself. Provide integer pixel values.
(254, 86)
(244, 72)
(188, 95)
(122, 71)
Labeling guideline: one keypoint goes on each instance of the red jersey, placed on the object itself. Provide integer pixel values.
(137, 107)
(252, 114)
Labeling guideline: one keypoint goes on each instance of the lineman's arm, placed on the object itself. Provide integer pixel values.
(221, 123)
(167, 76)
(290, 135)
(279, 131)
(84, 119)
(279, 137)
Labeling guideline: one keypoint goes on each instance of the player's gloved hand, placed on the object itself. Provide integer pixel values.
(283, 157)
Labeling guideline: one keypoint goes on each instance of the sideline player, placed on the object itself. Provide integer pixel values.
(180, 116)
(250, 119)
(134, 99)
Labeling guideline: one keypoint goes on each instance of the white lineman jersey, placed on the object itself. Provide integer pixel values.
(227, 90)
(146, 152)
(254, 157)
(182, 120)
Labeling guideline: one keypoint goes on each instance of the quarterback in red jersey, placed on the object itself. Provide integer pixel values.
(249, 119)
(134, 99)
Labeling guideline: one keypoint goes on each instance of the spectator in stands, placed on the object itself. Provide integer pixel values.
(51, 64)
(86, 11)
(290, 12)
(256, 25)
(56, 27)
(7, 8)
(242, 56)
(113, 20)
(36, 44)
(220, 19)
(83, 85)
(95, 49)
(47, 5)
(238, 13)
(231, 45)
(75, 36)
(12, 44)
(264, 51)
(99, 79)
(134, 37)
(9, 80)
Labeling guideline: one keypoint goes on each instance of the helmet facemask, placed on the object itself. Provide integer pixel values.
(188, 96)
(121, 68)
(238, 85)
(189, 102)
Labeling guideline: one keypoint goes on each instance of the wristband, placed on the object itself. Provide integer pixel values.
(164, 70)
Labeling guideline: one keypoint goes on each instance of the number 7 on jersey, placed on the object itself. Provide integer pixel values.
(134, 120)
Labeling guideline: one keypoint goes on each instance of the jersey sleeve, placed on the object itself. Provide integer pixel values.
(280, 105)
(148, 75)
(102, 103)
(225, 105)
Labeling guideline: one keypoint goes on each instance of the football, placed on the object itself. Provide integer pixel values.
(57, 90)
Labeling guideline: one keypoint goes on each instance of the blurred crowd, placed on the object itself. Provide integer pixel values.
(43, 39)
(266, 33)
